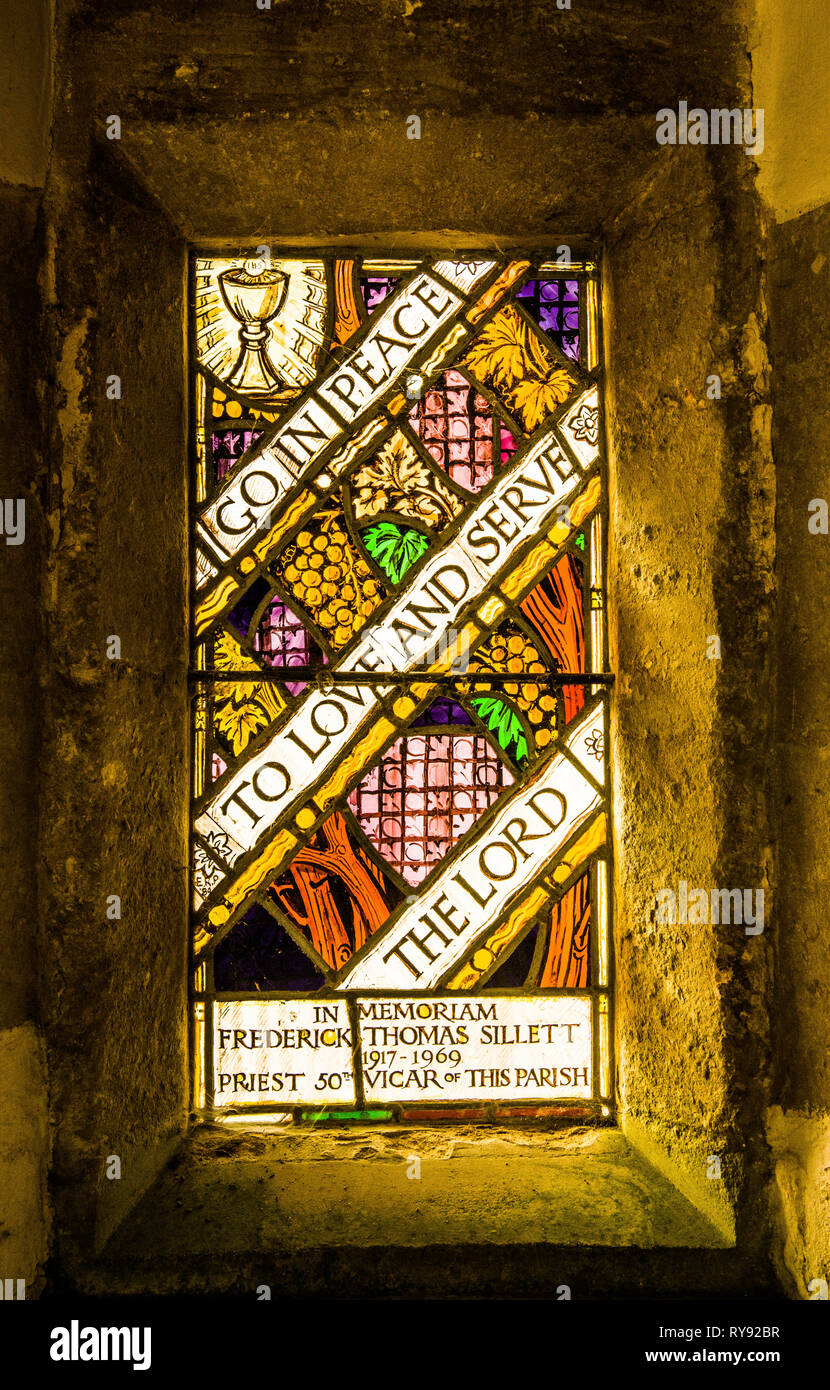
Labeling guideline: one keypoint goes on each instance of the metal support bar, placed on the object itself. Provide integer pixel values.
(317, 676)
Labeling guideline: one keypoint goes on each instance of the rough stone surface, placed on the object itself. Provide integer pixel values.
(345, 1214)
(24, 1132)
(799, 1124)
(115, 743)
(24, 1146)
(690, 548)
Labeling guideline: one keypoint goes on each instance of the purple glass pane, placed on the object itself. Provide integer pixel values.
(242, 615)
(442, 712)
(554, 304)
(260, 954)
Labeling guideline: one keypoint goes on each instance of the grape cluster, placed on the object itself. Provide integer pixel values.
(510, 651)
(329, 578)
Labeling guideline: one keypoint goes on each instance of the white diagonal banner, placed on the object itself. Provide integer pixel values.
(495, 865)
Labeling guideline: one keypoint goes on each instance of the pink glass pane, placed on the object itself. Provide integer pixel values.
(456, 426)
(426, 793)
(375, 289)
(282, 640)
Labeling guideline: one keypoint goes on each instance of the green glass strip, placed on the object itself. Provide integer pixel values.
(318, 1115)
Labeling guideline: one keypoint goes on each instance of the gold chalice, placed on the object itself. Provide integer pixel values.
(254, 295)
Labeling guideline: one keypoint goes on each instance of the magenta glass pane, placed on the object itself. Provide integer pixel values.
(455, 424)
(507, 444)
(217, 767)
(427, 792)
(375, 288)
(228, 446)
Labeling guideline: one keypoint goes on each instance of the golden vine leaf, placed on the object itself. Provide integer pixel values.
(509, 356)
(239, 723)
(532, 399)
(501, 352)
(399, 481)
(241, 709)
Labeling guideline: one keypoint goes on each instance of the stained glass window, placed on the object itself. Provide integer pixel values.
(401, 853)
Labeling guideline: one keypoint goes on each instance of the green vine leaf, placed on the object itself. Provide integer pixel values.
(396, 548)
(502, 722)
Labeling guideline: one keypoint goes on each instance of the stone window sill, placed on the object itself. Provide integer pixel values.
(331, 1212)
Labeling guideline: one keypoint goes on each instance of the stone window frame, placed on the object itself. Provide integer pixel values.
(138, 711)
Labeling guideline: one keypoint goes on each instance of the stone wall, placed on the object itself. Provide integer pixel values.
(24, 1117)
(799, 1120)
(789, 68)
(691, 559)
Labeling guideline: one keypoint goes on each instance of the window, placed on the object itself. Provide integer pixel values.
(400, 874)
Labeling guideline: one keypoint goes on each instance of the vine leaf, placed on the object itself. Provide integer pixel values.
(396, 548)
(397, 480)
(511, 358)
(502, 722)
(240, 709)
(534, 399)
